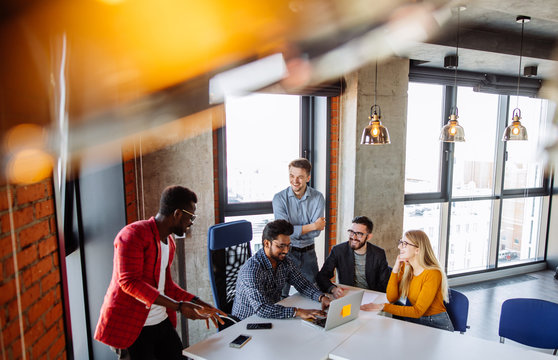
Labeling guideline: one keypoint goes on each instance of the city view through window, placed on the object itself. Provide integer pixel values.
(482, 201)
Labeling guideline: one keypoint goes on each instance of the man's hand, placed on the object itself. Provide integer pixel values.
(320, 223)
(202, 311)
(372, 307)
(188, 309)
(309, 313)
(337, 292)
(325, 302)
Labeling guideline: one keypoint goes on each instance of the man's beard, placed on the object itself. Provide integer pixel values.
(359, 246)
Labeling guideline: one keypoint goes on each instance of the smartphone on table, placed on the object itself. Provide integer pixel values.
(258, 326)
(240, 341)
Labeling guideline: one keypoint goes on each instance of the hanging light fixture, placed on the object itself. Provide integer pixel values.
(375, 133)
(452, 131)
(516, 131)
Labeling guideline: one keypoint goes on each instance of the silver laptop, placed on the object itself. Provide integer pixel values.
(340, 311)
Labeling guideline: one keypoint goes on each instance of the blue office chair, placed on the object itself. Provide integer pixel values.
(531, 322)
(457, 308)
(228, 248)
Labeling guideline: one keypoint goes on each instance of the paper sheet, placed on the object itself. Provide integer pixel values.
(368, 297)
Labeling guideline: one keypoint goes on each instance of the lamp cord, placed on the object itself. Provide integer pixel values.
(376, 82)
(457, 62)
(520, 55)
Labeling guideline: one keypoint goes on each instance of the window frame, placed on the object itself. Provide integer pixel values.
(226, 209)
(445, 197)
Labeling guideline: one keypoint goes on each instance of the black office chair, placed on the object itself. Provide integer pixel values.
(228, 248)
(530, 322)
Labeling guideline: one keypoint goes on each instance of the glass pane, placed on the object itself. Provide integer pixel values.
(424, 121)
(519, 231)
(473, 173)
(524, 166)
(263, 136)
(469, 239)
(425, 217)
(258, 224)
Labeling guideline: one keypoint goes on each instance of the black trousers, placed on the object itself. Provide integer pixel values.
(159, 341)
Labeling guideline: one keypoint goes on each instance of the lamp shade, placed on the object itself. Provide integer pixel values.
(452, 131)
(515, 131)
(375, 133)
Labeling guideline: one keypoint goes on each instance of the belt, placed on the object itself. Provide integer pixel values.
(304, 249)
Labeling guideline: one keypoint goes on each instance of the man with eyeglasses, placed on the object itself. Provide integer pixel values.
(358, 262)
(262, 277)
(138, 316)
(304, 207)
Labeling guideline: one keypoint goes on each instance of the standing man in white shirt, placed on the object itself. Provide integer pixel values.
(303, 207)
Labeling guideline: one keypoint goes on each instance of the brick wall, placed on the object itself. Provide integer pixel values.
(334, 163)
(37, 311)
(130, 186)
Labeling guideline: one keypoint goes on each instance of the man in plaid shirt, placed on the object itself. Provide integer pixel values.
(262, 277)
(138, 316)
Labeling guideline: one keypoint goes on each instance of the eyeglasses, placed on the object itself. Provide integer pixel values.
(192, 216)
(356, 234)
(283, 246)
(404, 244)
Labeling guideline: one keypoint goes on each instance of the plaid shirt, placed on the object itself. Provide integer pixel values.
(133, 288)
(258, 288)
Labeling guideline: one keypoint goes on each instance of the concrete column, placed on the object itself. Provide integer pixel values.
(372, 178)
(187, 160)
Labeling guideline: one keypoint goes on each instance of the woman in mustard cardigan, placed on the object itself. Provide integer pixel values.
(417, 276)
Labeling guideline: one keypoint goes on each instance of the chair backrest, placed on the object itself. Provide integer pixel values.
(531, 322)
(458, 310)
(228, 247)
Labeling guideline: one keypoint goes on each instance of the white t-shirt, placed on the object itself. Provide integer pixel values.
(158, 313)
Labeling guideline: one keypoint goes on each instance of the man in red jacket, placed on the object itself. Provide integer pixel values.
(139, 309)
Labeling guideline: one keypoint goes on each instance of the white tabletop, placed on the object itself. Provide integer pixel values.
(370, 336)
(288, 339)
(395, 339)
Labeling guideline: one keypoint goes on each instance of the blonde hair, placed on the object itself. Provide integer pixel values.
(426, 259)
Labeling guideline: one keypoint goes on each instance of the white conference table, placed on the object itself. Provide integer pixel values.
(288, 338)
(369, 336)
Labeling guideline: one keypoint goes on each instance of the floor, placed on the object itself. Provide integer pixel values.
(486, 298)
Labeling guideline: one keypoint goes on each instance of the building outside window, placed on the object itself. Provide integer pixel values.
(483, 203)
(263, 134)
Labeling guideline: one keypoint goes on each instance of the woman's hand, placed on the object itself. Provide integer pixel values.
(372, 307)
(397, 265)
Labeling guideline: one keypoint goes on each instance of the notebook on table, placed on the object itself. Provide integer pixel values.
(340, 311)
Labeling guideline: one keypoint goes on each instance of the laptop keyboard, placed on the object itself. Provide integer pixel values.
(320, 322)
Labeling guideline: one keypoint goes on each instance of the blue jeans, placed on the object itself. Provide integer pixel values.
(438, 321)
(307, 262)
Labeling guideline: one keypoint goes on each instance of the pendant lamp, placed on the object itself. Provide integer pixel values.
(452, 131)
(375, 133)
(516, 131)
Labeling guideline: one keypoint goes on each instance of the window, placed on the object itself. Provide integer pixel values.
(524, 167)
(263, 133)
(425, 217)
(262, 137)
(486, 199)
(474, 159)
(423, 152)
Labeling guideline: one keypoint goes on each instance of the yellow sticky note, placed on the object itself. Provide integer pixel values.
(346, 311)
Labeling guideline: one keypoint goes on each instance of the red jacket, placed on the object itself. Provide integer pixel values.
(133, 288)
